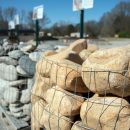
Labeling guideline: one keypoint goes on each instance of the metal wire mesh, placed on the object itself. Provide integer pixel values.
(98, 106)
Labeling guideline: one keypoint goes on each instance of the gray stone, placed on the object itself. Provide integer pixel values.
(10, 47)
(7, 60)
(16, 54)
(27, 65)
(8, 72)
(26, 118)
(35, 56)
(11, 95)
(4, 85)
(1, 51)
(30, 83)
(15, 109)
(18, 114)
(26, 96)
(3, 103)
(27, 47)
(18, 83)
(27, 109)
(21, 71)
(14, 104)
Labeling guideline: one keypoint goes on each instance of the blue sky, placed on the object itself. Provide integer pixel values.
(61, 10)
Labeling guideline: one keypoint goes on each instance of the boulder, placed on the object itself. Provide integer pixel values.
(71, 53)
(36, 114)
(16, 54)
(7, 60)
(78, 125)
(63, 102)
(27, 47)
(53, 121)
(92, 48)
(106, 113)
(21, 71)
(27, 109)
(11, 95)
(49, 53)
(17, 83)
(105, 71)
(10, 47)
(67, 75)
(8, 72)
(27, 65)
(35, 56)
(15, 109)
(84, 54)
(30, 83)
(4, 85)
(26, 96)
(40, 87)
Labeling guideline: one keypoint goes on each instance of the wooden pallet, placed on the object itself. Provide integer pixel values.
(8, 122)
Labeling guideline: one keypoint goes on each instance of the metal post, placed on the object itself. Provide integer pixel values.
(81, 23)
(17, 31)
(37, 32)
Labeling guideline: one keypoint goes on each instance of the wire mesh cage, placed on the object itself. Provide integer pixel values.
(66, 96)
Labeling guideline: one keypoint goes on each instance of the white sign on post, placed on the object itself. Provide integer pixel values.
(38, 12)
(82, 4)
(11, 25)
(16, 19)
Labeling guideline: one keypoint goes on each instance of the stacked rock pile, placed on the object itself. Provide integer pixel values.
(82, 88)
(17, 69)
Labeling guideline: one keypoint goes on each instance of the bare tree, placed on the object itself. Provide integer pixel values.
(9, 13)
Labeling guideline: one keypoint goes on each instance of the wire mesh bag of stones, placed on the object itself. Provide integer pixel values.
(16, 81)
(68, 96)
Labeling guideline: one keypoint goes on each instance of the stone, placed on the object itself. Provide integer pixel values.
(21, 71)
(35, 56)
(28, 47)
(17, 83)
(106, 113)
(27, 109)
(30, 83)
(36, 114)
(11, 95)
(4, 85)
(18, 114)
(27, 65)
(10, 47)
(15, 109)
(53, 121)
(16, 54)
(7, 60)
(49, 53)
(3, 103)
(78, 125)
(92, 48)
(8, 72)
(76, 47)
(40, 88)
(26, 118)
(67, 75)
(26, 96)
(84, 54)
(107, 71)
(1, 51)
(63, 102)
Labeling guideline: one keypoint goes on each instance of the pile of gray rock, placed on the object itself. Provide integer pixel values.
(17, 69)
